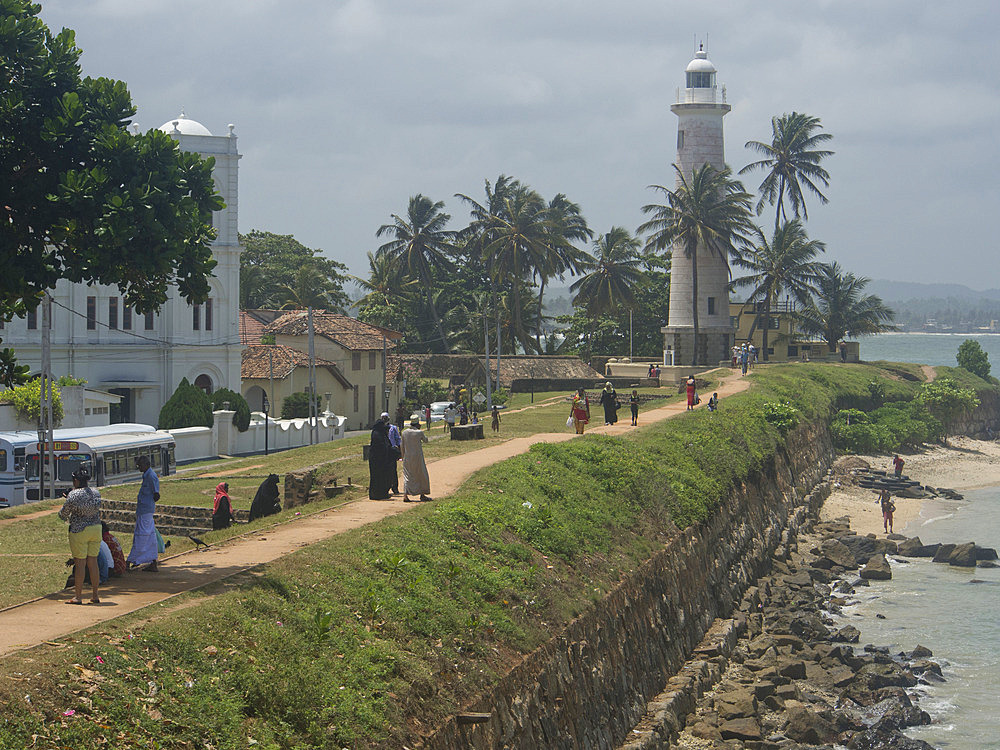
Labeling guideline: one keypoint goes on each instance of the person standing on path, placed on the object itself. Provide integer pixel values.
(885, 500)
(633, 405)
(897, 465)
(580, 411)
(689, 386)
(381, 458)
(609, 400)
(83, 511)
(449, 417)
(144, 547)
(394, 440)
(744, 359)
(416, 480)
(495, 414)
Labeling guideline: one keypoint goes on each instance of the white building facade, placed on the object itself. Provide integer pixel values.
(700, 108)
(143, 357)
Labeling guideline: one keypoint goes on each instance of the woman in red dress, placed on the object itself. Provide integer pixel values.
(690, 384)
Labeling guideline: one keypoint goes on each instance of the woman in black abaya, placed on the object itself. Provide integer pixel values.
(381, 463)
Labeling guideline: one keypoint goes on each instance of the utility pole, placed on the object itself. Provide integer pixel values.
(45, 436)
(270, 375)
(630, 334)
(497, 381)
(385, 390)
(313, 410)
(486, 336)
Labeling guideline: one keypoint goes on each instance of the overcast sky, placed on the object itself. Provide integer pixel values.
(345, 108)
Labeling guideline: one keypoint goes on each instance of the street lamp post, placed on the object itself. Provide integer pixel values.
(265, 406)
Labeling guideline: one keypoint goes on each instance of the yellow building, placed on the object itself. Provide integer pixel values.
(784, 342)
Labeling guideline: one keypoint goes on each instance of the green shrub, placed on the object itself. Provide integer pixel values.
(423, 391)
(68, 380)
(971, 357)
(189, 406)
(781, 414)
(26, 400)
(295, 406)
(237, 403)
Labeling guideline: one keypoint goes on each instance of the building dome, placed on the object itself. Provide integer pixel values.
(185, 126)
(700, 64)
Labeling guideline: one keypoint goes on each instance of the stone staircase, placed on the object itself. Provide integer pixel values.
(171, 520)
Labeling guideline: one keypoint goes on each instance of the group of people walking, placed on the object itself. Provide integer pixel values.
(388, 446)
(744, 356)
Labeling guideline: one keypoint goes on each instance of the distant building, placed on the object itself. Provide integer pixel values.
(141, 358)
(785, 343)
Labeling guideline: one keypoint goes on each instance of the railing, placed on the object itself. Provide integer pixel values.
(700, 96)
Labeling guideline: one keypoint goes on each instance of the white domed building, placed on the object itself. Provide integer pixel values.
(142, 357)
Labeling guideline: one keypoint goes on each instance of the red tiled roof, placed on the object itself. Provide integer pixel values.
(258, 360)
(345, 330)
(251, 328)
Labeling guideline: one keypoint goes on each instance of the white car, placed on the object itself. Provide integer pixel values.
(438, 409)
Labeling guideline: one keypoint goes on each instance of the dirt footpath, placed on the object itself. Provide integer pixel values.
(46, 619)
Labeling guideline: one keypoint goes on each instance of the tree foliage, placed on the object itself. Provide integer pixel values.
(841, 308)
(26, 400)
(241, 417)
(947, 400)
(277, 271)
(295, 406)
(189, 406)
(971, 357)
(81, 198)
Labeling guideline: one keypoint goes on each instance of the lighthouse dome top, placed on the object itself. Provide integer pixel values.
(183, 125)
(700, 64)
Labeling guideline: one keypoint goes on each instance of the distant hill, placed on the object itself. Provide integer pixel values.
(891, 291)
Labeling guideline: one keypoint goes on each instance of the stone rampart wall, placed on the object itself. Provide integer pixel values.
(590, 684)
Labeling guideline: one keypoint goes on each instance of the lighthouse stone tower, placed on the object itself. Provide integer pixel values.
(699, 109)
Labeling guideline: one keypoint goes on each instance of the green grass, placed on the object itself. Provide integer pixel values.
(353, 641)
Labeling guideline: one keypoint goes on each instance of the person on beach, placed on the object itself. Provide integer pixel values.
(145, 549)
(416, 480)
(394, 439)
(633, 405)
(119, 566)
(689, 386)
(222, 508)
(713, 403)
(266, 502)
(381, 459)
(609, 400)
(580, 411)
(83, 511)
(495, 419)
(897, 465)
(885, 500)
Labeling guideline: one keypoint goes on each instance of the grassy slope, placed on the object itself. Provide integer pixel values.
(424, 610)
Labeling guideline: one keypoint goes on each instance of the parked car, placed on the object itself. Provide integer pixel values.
(437, 410)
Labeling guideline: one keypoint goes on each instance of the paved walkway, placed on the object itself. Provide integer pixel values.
(48, 618)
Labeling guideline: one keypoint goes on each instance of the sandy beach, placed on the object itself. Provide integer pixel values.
(966, 464)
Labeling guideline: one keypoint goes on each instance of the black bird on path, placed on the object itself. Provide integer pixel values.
(197, 542)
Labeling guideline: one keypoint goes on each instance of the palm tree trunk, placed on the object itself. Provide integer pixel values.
(435, 316)
(694, 300)
(780, 210)
(519, 334)
(538, 326)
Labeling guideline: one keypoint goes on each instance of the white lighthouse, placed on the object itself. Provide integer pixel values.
(699, 107)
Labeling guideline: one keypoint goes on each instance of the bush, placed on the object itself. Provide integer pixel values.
(500, 396)
(295, 406)
(781, 414)
(237, 403)
(27, 401)
(423, 391)
(189, 406)
(971, 357)
(64, 381)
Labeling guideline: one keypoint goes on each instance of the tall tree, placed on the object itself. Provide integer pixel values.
(272, 264)
(610, 279)
(790, 161)
(387, 283)
(783, 265)
(707, 210)
(81, 198)
(841, 308)
(567, 226)
(420, 245)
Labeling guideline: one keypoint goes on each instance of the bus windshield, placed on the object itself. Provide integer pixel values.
(70, 462)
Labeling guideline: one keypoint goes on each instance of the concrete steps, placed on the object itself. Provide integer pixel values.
(171, 520)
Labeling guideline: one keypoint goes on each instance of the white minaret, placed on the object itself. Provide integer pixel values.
(700, 107)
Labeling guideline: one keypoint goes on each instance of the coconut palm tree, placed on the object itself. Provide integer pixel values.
(708, 211)
(611, 276)
(841, 308)
(790, 161)
(419, 246)
(387, 282)
(309, 288)
(566, 227)
(783, 265)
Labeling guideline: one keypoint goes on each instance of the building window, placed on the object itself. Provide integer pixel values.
(700, 80)
(372, 360)
(208, 315)
(711, 305)
(680, 139)
(774, 323)
(734, 321)
(149, 321)
(793, 351)
(126, 318)
(356, 399)
(32, 320)
(204, 382)
(91, 313)
(196, 317)
(355, 361)
(113, 312)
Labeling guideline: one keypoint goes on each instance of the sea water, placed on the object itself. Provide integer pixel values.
(955, 612)
(927, 348)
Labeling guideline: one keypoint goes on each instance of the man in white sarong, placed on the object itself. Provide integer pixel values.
(415, 478)
(144, 545)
